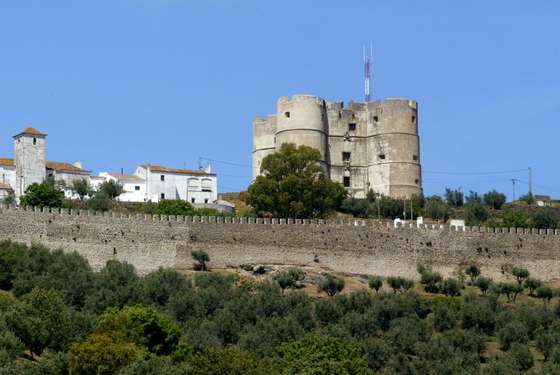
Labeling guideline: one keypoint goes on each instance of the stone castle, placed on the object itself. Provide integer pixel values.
(365, 145)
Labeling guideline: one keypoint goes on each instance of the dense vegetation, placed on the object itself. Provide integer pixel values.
(57, 316)
(293, 184)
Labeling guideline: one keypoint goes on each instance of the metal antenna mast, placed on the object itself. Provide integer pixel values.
(367, 72)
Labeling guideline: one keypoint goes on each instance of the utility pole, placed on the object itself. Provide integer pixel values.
(513, 182)
(367, 72)
(530, 181)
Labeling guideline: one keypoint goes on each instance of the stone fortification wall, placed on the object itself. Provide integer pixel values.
(355, 247)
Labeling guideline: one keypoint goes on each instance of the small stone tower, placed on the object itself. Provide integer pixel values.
(29, 151)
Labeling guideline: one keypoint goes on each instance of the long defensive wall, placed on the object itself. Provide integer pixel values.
(355, 247)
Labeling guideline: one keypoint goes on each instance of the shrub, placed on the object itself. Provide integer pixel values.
(532, 284)
(522, 355)
(331, 285)
(451, 287)
(431, 280)
(395, 283)
(473, 271)
(100, 201)
(201, 257)
(483, 284)
(290, 278)
(174, 207)
(514, 332)
(545, 293)
(42, 195)
(375, 283)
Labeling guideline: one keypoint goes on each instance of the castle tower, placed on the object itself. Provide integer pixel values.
(394, 148)
(29, 151)
(303, 121)
(264, 140)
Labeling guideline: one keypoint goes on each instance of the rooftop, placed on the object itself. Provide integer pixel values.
(158, 168)
(30, 131)
(65, 167)
(4, 186)
(5, 162)
(126, 177)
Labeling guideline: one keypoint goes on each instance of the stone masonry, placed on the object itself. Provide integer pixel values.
(356, 247)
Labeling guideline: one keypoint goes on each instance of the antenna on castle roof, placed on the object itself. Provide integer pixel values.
(367, 71)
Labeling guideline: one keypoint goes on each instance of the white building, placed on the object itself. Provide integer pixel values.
(148, 183)
(194, 186)
(134, 187)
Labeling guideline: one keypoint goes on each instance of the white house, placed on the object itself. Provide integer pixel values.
(194, 186)
(65, 174)
(134, 187)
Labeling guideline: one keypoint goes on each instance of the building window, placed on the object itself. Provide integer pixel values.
(192, 200)
(415, 157)
(287, 114)
(346, 181)
(375, 118)
(162, 196)
(416, 181)
(162, 178)
(381, 156)
(345, 156)
(413, 119)
(137, 188)
(352, 126)
(34, 141)
(206, 200)
(207, 185)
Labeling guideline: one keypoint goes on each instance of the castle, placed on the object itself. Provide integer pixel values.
(147, 183)
(365, 146)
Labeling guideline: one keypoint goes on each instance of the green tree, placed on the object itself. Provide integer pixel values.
(201, 257)
(290, 278)
(451, 287)
(436, 208)
(494, 199)
(111, 188)
(100, 201)
(42, 195)
(146, 327)
(473, 271)
(231, 361)
(174, 207)
(431, 280)
(331, 285)
(545, 218)
(40, 320)
(101, 355)
(10, 198)
(522, 355)
(510, 290)
(159, 286)
(475, 212)
(483, 284)
(82, 188)
(520, 274)
(532, 283)
(323, 355)
(375, 283)
(514, 218)
(293, 184)
(454, 198)
(545, 293)
(514, 332)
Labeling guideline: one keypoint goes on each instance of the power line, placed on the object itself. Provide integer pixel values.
(475, 173)
(226, 162)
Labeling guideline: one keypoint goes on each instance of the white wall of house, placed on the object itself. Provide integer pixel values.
(191, 187)
(134, 188)
(66, 178)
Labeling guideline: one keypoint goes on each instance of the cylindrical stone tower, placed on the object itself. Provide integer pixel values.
(264, 130)
(394, 148)
(303, 121)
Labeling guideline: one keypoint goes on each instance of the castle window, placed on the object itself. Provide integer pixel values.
(34, 141)
(413, 119)
(162, 196)
(352, 126)
(206, 200)
(287, 114)
(137, 188)
(162, 178)
(375, 118)
(415, 157)
(346, 181)
(381, 156)
(416, 181)
(345, 156)
(192, 200)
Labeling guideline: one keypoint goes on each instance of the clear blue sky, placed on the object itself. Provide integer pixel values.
(116, 83)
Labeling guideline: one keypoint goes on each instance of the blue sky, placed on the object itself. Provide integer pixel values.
(116, 83)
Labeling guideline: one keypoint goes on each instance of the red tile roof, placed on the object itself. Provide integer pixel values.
(4, 186)
(31, 131)
(65, 167)
(126, 177)
(158, 168)
(5, 162)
